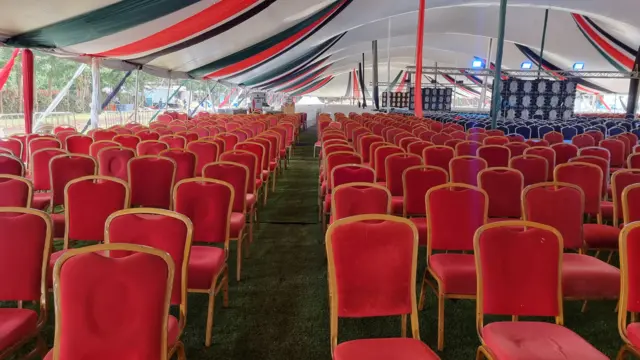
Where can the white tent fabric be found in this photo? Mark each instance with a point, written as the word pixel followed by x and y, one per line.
pixel 261 37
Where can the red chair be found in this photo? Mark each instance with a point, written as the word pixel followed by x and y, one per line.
pixel 170 233
pixel 15 191
pixel 100 135
pixel 467 148
pixel 237 175
pixel 418 147
pixel 553 137
pixel 516 138
pixel 438 156
pixel 113 162
pixel 477 137
pixel 185 162
pixel 331 161
pixel 205 151
pixel 395 165
pixel 603 164
pixel 41 176
pixel 495 132
pixel 96 146
pixel 620 180
pixel 532 167
pixel 260 150
pixel 64 168
pixel 564 152
pixel 583 141
pixel 355 279
pixel 517 148
pixel 146 135
pixel 230 140
pixel 616 150
pixel 379 160
pixel 546 152
pixel 633 161
pixel 561 206
pixel 163 131
pixel 440 138
pixel 208 204
pixel 416 181
pixel 78 144
pixel 629 297
pixel 477 131
pixel 12 165
pixel 343 174
pixel 453 143
pixel 189 135
pixel 23 140
pixel 13 145
pixel 25 246
pixel 595 151
pixel 151 179
pixel 270 144
pixel 538 143
pixel 626 141
pixel 454 213
pixel 504 187
pixel 127 140
pixel 596 135
pixel 358 199
pixel 496 140
pixel 365 145
pixel 405 142
pixel 251 161
pixel 174 141
pixel 151 147
pixel 40 143
pixel 427 135
pixel 519 265
pixel 495 155
pixel 88 202
pixel 465 169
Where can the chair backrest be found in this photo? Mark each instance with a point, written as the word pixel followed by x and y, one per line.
pixel 546 152
pixel 478 137
pixel 518 266
pixel 495 132
pixel 148 275
pixel 208 203
pixel 633 161
pixel 454 212
pixel 465 169
pixel 15 191
pixel 564 152
pixel 174 141
pixel 504 187
pixel 341 158
pixel 185 162
pixel 113 161
pixel 599 162
pixel 417 147
pixel 13 145
pixel 496 140
pixel 248 159
pixel 438 156
pixel 553 137
pixel 583 141
pixel 127 140
pixel 363 279
pixel 616 149
pixel 100 135
pixel 495 155
pixel 620 180
pixel 629 271
pixel 365 145
pixel 440 138
pixel 348 173
pixel 235 174
pixel 559 205
pixel 146 135
pixel 359 198
pixel 596 135
pixel 416 182
pixel 151 179
pixel 12 165
pixel 259 151
pixel 517 148
pixel 78 144
pixel 66 167
pixel 533 168
pixel 189 135
pixel 467 148
pixel 595 151
pixel 96 146
pixel 394 166
pixel 151 147
pixel 516 138
pixel 405 142
pixel 25 247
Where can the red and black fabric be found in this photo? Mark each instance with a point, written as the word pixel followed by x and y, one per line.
pixel 185 163
pixel 564 152
pixel 546 152
pixel 78 144
pixel 151 179
pixel 438 156
pixel 114 162
pixel 504 188
pixel 532 167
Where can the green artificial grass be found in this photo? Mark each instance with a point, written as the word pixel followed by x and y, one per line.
pixel 280 310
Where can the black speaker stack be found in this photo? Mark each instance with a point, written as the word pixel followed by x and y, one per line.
pixel 550 99
pixel 397 99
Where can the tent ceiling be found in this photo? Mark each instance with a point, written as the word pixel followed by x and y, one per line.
pixel 238 41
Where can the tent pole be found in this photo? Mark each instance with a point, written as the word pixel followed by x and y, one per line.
pixel 632 101
pixel 190 98
pixel 135 98
pixel 364 93
pixel 166 105
pixel 417 98
pixel 487 65
pixel 374 50
pixel 389 67
pixel 95 94
pixel 27 88
pixel 544 39
pixel 495 98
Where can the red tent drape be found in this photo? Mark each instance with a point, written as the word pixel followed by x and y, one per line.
pixel 6 69
pixel 27 86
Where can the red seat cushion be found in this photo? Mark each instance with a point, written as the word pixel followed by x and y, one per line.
pixel 58 225
pixel 251 200
pixel 601 236
pixel 15 325
pixel 41 200
pixel 457 273
pixel 384 349
pixel 205 262
pixel 584 276
pixel 633 334
pixel 237 224
pixel 537 340
pixel 273 165
pixel 397 204
pixel 421 224
pixel 265 174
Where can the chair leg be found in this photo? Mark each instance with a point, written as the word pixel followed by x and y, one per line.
pixel 403 329
pixel 209 331
pixel 180 351
pixel 479 353
pixel 584 307
pixel 273 181
pixel 265 193
pixel 610 257
pixel 423 291
pixel 440 322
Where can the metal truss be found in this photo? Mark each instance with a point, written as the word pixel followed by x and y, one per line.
pixel 533 73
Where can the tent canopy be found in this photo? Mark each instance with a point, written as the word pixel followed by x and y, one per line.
pixel 312 46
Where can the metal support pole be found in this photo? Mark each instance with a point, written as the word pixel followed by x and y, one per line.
pixel 634 83
pixel 190 98
pixel 487 65
pixel 389 67
pixel 376 95
pixel 135 98
pixel 435 77
pixel 495 99
pixel 166 105
pixel 544 39
pixel 417 98
pixel 364 95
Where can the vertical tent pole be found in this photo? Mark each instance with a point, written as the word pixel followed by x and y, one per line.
pixel 374 50
pixel 190 98
pixel 166 105
pixel 364 92
pixel 544 39
pixel 495 98
pixel 632 101
pixel 95 92
pixel 27 88
pixel 389 67
pixel 487 65
pixel 135 99
pixel 417 98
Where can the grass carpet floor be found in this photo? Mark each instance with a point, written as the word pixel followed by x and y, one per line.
pixel 280 311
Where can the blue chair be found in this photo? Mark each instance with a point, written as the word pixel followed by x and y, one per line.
pixel 524 131
pixel 543 130
pixel 569 132
pixel 616 130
